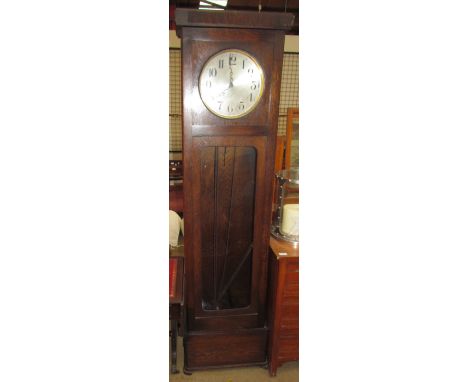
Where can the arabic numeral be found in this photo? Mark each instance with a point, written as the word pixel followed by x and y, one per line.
pixel 208 83
pixel 220 103
pixel 232 59
pixel 212 72
pixel 241 106
pixel 230 108
pixel 253 86
pixel 221 64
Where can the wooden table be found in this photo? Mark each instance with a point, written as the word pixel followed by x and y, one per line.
pixel 283 304
pixel 176 300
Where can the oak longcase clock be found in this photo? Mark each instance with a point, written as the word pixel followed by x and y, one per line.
pixel 231 70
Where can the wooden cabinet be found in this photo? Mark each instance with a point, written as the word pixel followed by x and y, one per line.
pixel 283 300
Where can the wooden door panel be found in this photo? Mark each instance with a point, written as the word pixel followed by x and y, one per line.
pixel 228 201
pixel 227 179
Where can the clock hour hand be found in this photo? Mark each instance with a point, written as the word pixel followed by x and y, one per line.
pixel 224 92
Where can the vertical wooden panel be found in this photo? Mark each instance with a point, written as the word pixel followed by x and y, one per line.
pixel 227 180
pixel 207 198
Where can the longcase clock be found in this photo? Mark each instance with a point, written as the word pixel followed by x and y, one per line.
pixel 231 72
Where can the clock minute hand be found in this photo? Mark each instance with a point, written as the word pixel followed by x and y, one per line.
pixel 231 83
pixel 231 79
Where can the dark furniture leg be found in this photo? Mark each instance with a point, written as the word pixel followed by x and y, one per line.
pixel 174 332
pixel 176 298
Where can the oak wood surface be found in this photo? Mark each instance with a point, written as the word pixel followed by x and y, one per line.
pixel 233 19
pixel 210 349
pixel 228 167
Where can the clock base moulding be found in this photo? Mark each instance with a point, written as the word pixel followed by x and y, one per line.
pixel 212 350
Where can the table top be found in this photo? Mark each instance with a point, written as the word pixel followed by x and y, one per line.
pixel 285 248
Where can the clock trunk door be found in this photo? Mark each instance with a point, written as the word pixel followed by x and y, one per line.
pixel 228 205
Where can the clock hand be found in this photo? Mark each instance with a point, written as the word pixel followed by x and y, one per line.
pixel 224 91
pixel 230 77
pixel 231 83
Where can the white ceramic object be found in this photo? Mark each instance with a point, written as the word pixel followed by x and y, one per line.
pixel 174 228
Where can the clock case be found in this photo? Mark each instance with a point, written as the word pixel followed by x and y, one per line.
pixel 228 181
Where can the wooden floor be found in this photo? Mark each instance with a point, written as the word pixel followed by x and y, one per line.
pixel 289 372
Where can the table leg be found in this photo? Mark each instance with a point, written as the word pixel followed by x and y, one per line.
pixel 174 332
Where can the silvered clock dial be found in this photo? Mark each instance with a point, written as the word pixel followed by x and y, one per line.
pixel 231 83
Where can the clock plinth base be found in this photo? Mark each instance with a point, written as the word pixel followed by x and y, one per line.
pixel 209 350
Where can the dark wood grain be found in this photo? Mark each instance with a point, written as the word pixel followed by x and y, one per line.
pixel 234 19
pixel 175 308
pixel 210 349
pixel 228 168
pixel 267 6
pixel 228 184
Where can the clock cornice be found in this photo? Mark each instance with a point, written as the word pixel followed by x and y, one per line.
pixel 186 17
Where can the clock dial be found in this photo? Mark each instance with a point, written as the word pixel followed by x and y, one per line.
pixel 231 83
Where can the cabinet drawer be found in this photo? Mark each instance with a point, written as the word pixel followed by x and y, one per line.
pixel 289 333
pixel 290 312
pixel 289 323
pixel 292 267
pixel 288 349
pixel 288 356
pixel 291 292
pixel 292 281
pixel 290 299
pixel 291 289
